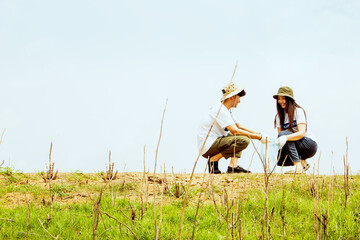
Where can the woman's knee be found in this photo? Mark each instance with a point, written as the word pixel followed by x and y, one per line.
pixel 284 132
pixel 311 151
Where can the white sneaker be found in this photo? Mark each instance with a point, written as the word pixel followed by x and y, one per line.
pixel 305 165
pixel 298 169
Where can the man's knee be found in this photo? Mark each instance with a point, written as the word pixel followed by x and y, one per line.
pixel 242 141
pixel 246 141
pixel 237 141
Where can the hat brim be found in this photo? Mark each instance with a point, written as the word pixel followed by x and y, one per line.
pixel 232 94
pixel 283 95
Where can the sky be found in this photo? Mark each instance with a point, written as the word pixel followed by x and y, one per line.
pixel 94 76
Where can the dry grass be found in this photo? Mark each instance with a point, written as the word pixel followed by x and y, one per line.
pixel 79 187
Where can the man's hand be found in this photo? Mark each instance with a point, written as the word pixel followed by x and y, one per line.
pixel 264 138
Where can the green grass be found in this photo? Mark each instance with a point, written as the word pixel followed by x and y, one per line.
pixel 74 220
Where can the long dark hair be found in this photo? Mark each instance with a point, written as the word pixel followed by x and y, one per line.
pixel 290 108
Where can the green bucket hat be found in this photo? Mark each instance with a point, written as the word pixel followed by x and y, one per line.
pixel 286 92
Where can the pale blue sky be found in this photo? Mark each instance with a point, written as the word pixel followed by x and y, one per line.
pixel 94 75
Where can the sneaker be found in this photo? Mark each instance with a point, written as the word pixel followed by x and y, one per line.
pixel 298 169
pixel 213 167
pixel 305 165
pixel 237 169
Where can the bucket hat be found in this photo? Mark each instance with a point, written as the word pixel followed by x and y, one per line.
pixel 286 92
pixel 230 90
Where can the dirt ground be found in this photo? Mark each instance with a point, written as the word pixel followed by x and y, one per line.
pixel 70 188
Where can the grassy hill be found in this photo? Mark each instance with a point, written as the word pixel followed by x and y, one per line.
pixel 145 206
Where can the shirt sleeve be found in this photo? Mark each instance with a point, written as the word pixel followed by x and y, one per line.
pixel 300 116
pixel 234 118
pixel 224 118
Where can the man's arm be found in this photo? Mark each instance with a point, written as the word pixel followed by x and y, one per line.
pixel 247 129
pixel 235 130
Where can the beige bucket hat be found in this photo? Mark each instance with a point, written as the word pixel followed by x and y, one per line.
pixel 230 90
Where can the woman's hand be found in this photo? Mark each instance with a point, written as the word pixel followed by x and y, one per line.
pixel 281 140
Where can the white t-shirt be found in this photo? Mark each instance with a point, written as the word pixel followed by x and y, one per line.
pixel 224 119
pixel 298 118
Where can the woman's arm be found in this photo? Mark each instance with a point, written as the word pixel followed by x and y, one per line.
pixel 235 130
pixel 297 135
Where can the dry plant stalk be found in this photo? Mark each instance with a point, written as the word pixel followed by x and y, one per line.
pixel 253 221
pixel 346 175
pixel 133 212
pixel 144 173
pixel 8 220
pixel 50 175
pixel 121 223
pixel 110 175
pixel 230 217
pixel 324 220
pixel 96 212
pixel 218 213
pixel 267 174
pixel 328 212
pixel 2 135
pixel 315 196
pixel 161 205
pixel 192 174
pixel 320 219
pixel 156 155
pixel 176 187
pixel 283 210
pixel 198 203
pixel 42 225
pixel 28 217
pixel 145 188
pixel 197 159
pixel 235 218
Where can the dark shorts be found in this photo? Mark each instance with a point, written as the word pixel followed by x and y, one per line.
pixel 293 151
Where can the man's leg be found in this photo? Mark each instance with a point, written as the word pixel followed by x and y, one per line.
pixel 233 162
pixel 228 147
pixel 213 155
pixel 235 146
pixel 213 163
pixel 216 157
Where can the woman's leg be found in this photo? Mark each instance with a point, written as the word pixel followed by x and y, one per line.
pixel 306 148
pixel 289 155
